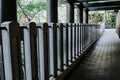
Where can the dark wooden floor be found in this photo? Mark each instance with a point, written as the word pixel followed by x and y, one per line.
pixel 102 63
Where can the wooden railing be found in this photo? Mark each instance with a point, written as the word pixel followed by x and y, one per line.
pixel 44 51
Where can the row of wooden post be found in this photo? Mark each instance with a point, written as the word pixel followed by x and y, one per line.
pixel 43 51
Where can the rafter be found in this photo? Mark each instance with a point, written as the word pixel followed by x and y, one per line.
pixel 100 4
pixel 104 8
pixel 89 0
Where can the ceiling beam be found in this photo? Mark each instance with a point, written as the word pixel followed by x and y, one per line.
pixel 88 0
pixel 104 8
pixel 99 4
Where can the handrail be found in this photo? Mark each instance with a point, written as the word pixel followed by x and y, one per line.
pixel 46 50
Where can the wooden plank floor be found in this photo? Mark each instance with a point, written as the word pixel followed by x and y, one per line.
pixel 102 63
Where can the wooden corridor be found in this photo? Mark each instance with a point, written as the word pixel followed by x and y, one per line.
pixel 103 61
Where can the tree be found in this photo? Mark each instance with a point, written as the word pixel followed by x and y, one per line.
pixel 30 10
pixel 96 17
pixel 111 19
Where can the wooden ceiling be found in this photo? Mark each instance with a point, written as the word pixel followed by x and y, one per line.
pixel 94 5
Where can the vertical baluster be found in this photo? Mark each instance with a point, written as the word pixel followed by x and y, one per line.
pixel 71 33
pixel 46 53
pixel 88 34
pixel 50 27
pixel 65 42
pixel 53 49
pixel 2 75
pixel 77 32
pixel 67 51
pixel 58 46
pixel 80 38
pixel 87 37
pixel 96 31
pixel 27 55
pixel 93 32
pixel 30 41
pixel 61 47
pixel 69 42
pixel 75 41
pixel 43 50
pixel 73 46
pixel 84 37
pixel 33 45
pixel 64 46
pixel 11 51
pixel 72 42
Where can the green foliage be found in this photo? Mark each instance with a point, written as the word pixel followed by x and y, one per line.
pixel 96 17
pixel 111 19
pixel 29 10
pixel 34 7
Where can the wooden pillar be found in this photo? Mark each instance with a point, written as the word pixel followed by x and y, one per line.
pixel 0 9
pixel 8 10
pixel 85 15
pixel 52 11
pixel 80 7
pixel 70 12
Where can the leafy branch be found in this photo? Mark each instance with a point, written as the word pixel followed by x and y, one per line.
pixel 31 9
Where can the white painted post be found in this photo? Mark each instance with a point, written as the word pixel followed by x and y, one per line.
pixel 11 51
pixel 43 53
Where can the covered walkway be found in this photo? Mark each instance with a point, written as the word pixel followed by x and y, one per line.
pixel 55 50
pixel 103 62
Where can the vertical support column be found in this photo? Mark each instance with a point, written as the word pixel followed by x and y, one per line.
pixel 80 12
pixel 70 12
pixel 0 10
pixel 8 10
pixel 53 11
pixel 85 16
pixel 7 13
